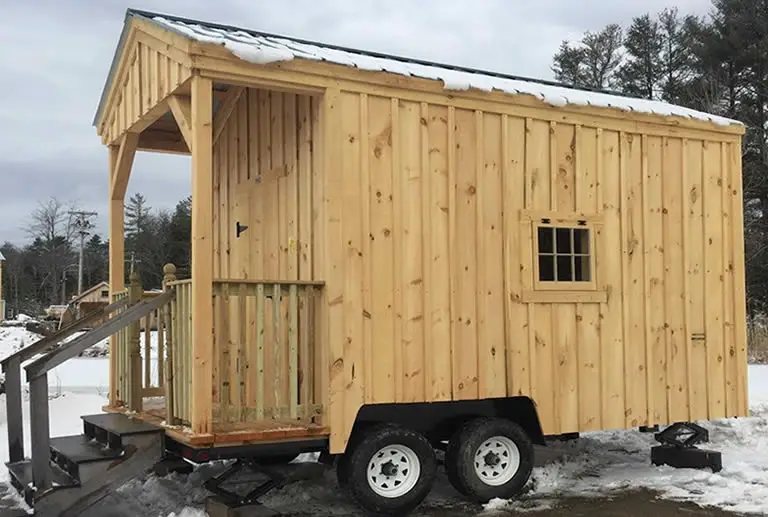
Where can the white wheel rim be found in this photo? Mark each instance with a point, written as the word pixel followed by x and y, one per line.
pixel 497 460
pixel 393 471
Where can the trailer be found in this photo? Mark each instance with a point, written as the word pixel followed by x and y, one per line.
pixel 392 257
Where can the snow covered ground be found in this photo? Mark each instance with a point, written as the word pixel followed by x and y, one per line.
pixel 596 465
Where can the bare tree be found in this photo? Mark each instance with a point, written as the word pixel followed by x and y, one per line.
pixel 51 220
pixel 51 229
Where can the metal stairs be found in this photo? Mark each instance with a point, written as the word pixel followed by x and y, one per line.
pixel 112 450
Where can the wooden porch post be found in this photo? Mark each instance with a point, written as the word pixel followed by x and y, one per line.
pixel 202 255
pixel 116 265
pixel 135 295
pixel 120 165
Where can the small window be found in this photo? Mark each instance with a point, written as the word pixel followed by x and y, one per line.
pixel 104 293
pixel 564 254
pixel 563 260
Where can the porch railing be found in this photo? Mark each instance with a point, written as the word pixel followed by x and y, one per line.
pixel 179 338
pixel 148 336
pixel 264 353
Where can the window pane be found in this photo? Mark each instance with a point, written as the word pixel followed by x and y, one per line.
pixel 581 241
pixel 564 269
pixel 546 268
pixel 582 269
pixel 564 241
pixel 545 240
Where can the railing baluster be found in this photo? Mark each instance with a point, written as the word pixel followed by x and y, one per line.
pixel 304 353
pixel 293 311
pixel 311 351
pixel 170 402
pixel 161 330
pixel 185 356
pixel 147 352
pixel 260 352
pixel 241 347
pixel 276 348
pixel 225 345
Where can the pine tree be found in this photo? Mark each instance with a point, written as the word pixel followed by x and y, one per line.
pixel 568 65
pixel 136 213
pixel 593 63
pixel 181 236
pixel 676 54
pixel 602 56
pixel 642 71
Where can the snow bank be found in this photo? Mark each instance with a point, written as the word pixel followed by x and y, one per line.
pixel 261 49
pixel 601 463
pixel 13 339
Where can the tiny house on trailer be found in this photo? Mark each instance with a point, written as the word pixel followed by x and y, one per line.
pixel 391 256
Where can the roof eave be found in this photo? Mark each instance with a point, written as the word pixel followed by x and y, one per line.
pixel 129 14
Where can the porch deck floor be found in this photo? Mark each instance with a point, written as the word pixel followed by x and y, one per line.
pixel 227 433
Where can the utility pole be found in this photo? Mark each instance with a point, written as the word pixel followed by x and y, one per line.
pixel 82 225
pixel 132 262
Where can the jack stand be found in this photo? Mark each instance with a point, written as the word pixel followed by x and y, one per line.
pixel 678 448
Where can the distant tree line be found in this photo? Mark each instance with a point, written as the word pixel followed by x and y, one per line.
pixel 44 271
pixel 718 64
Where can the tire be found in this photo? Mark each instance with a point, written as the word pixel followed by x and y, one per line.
pixel 489 458
pixel 451 464
pixel 372 470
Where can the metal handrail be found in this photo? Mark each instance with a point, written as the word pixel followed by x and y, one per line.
pixel 77 325
pixel 37 375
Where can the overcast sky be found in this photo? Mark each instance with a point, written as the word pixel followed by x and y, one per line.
pixel 55 54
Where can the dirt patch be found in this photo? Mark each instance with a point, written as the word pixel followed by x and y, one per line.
pixel 625 504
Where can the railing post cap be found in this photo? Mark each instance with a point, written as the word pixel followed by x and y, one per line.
pixel 169 269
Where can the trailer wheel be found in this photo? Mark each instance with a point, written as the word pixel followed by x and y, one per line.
pixel 389 470
pixel 489 458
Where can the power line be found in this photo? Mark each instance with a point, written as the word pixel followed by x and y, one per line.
pixel 83 225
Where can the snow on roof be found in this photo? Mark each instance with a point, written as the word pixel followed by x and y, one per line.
pixel 1 256
pixel 262 48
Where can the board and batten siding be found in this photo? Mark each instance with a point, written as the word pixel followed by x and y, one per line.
pixel 264 171
pixel 432 293
pixel 150 73
pixel 263 177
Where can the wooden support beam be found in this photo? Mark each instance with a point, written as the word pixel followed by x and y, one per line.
pixel 162 142
pixel 225 110
pixel 181 107
pixel 116 264
pixel 202 256
pixel 124 163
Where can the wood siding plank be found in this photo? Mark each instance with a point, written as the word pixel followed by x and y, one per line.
pixel 464 301
pixel 382 246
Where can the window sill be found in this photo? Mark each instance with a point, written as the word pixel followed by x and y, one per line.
pixel 564 296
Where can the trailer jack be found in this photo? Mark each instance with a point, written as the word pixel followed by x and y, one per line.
pixel 678 448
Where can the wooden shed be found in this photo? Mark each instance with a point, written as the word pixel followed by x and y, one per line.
pixel 370 230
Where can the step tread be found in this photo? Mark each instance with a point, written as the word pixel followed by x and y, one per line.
pixel 81 449
pixel 21 471
pixel 121 425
